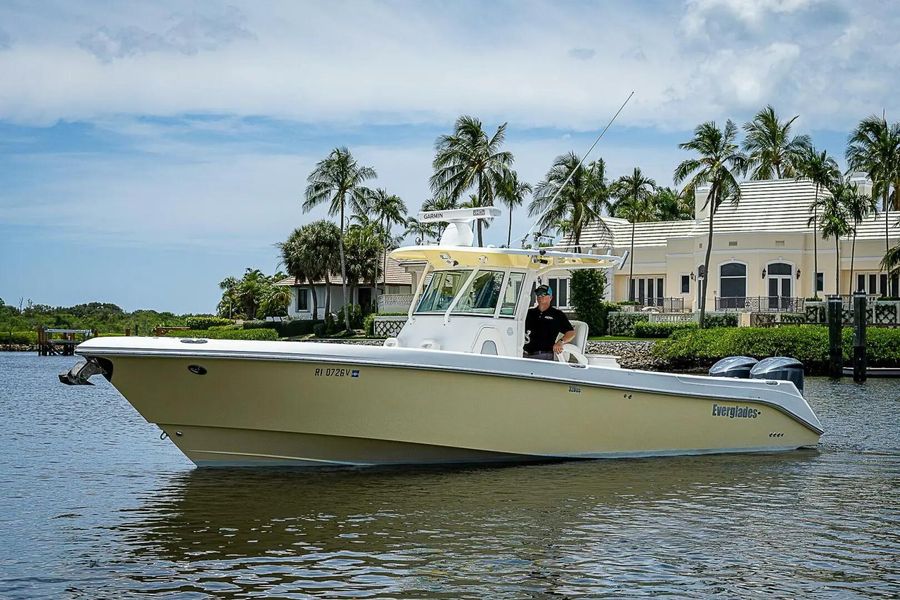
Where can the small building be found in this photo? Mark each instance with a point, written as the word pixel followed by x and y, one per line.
pixel 762 254
pixel 392 293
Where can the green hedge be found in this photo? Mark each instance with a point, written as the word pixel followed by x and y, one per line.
pixel 18 337
pixel 721 320
pixel 226 334
pixel 295 327
pixel 205 322
pixel 622 323
pixel 644 329
pixel 806 343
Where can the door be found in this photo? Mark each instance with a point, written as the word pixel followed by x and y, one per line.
pixel 781 289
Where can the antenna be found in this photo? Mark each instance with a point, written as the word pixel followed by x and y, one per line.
pixel 572 172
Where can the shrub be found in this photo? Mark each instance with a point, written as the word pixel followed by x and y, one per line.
pixel 321 329
pixel 18 337
pixel 260 324
pixel 296 327
pixel 645 329
pixel 806 343
pixel 224 334
pixel 622 323
pixel 369 324
pixel 587 298
pixel 205 321
pixel 721 320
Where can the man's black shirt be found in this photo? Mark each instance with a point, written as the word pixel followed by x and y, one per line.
pixel 544 327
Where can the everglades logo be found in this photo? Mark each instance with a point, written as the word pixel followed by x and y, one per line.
pixel 735 412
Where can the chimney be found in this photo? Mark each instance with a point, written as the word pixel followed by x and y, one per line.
pixel 701 207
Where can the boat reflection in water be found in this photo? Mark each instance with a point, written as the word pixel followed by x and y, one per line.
pixel 563 528
pixel 452 387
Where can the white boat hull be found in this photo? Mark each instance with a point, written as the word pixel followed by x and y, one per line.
pixel 279 403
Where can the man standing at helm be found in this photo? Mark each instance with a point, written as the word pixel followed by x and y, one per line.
pixel 543 326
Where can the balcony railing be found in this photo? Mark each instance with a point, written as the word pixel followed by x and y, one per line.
pixel 666 305
pixel 759 304
pixel 394 302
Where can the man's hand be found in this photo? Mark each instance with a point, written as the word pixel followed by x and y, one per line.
pixel 558 347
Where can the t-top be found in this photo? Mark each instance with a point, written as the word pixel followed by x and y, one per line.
pixel 544 327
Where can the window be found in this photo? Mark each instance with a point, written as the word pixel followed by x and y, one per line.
pixel 302 300
pixel 482 294
pixel 733 280
pixel 560 292
pixel 820 282
pixel 876 284
pixel 442 288
pixel 646 290
pixel 511 294
pixel 732 244
pixel 685 284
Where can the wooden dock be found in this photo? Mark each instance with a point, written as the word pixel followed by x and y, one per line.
pixel 61 342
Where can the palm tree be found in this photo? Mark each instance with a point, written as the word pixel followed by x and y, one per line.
pixel 325 241
pixel 874 147
pixel 229 296
pixel 835 220
pixel 581 201
pixel 635 203
pixel 387 209
pixel 338 179
pixel 822 170
pixel 512 193
pixel 770 148
pixel 718 165
pixel 671 205
pixel 859 206
pixel 469 158
pixel 420 231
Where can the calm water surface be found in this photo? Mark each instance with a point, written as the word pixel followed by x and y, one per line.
pixel 93 504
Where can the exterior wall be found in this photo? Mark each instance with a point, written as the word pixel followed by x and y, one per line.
pixel 756 251
pixel 337 299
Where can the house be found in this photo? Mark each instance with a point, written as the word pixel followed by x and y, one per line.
pixel 394 292
pixel 762 254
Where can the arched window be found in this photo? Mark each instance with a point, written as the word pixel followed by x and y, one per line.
pixel 733 284
pixel 780 286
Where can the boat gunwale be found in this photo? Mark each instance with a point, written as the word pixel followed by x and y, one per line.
pixel 372 362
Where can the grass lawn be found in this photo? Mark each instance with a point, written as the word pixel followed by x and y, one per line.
pixel 620 338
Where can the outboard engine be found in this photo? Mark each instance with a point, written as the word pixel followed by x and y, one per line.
pixel 733 366
pixel 782 368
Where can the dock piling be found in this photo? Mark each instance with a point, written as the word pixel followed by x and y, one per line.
pixel 835 351
pixel 859 337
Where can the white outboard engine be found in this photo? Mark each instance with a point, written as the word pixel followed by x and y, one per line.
pixel 782 368
pixel 733 366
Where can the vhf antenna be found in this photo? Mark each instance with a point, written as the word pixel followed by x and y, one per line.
pixel 549 204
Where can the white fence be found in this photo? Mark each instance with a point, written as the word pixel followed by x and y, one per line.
pixel 394 302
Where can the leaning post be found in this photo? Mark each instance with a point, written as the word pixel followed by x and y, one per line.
pixel 835 352
pixel 859 337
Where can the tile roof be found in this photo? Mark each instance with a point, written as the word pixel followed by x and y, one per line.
pixel 765 206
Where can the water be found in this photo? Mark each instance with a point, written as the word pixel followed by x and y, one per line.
pixel 93 504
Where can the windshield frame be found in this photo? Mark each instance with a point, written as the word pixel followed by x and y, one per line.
pixel 470 275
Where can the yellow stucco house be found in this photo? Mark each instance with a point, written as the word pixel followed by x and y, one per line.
pixel 762 254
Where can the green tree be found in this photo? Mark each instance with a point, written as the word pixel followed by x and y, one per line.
pixel 859 206
pixel 822 170
pixel 588 286
pixel 769 146
pixel 511 193
pixel 718 164
pixel 671 205
pixel 308 254
pixel 634 195
pixel 571 206
pixel 835 220
pixel 339 179
pixel 469 158
pixel 388 210
pixel 874 148
pixel 364 247
pixel 421 232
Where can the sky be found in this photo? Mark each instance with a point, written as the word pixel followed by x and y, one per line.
pixel 149 150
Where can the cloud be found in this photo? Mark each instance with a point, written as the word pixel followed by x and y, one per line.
pixel 582 53
pixel 188 35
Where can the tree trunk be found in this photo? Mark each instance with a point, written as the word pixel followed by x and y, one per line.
pixel 387 233
pixel 705 283
pixel 631 267
pixel 327 293
pixel 315 300
pixel 815 245
pixel 837 265
pixel 509 234
pixel 480 203
pixel 344 269
pixel 852 257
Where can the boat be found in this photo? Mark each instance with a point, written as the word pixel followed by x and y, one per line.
pixel 451 387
